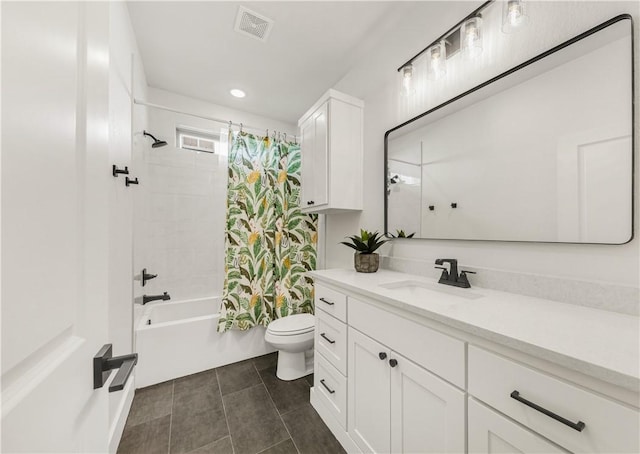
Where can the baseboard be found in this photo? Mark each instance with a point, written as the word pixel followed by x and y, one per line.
pixel 117 426
pixel 333 425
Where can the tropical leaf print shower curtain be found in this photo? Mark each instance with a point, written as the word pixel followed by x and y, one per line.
pixel 270 243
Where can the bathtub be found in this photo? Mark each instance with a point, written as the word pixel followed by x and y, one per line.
pixel 180 338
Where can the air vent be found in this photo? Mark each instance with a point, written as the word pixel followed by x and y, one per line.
pixel 252 24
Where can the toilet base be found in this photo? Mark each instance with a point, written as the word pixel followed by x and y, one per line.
pixel 292 366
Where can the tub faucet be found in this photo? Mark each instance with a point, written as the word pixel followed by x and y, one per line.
pixel 450 276
pixel 148 298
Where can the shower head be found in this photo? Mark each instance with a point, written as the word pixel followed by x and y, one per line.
pixel 156 143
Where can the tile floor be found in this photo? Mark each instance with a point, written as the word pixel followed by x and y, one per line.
pixel 241 408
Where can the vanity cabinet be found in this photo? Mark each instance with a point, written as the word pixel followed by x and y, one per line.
pixel 397 406
pixel 332 155
pixel 390 378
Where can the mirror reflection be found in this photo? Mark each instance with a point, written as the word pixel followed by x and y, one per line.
pixel 543 154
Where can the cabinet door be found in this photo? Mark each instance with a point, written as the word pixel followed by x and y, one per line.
pixel 307 144
pixel 369 393
pixel 320 156
pixel 489 432
pixel 427 413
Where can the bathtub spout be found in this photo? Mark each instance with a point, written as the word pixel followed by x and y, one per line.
pixel 148 298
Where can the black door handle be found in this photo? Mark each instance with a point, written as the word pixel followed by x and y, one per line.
pixel 323 335
pixel 579 426
pixel 327 302
pixel 331 391
pixel 104 362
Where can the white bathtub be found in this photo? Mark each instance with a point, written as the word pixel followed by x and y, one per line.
pixel 180 338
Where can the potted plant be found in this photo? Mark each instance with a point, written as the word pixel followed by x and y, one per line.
pixel 365 259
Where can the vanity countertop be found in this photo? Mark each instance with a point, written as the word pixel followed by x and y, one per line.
pixel 602 344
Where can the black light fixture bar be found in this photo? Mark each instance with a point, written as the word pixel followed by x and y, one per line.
pixel 474 13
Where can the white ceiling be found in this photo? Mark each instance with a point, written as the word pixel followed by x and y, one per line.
pixel 191 48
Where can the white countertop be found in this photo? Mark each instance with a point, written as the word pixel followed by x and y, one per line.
pixel 602 344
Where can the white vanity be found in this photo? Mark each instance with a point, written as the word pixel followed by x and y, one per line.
pixel 404 364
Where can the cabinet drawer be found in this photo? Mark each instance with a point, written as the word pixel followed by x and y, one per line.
pixel 441 354
pixel 608 426
pixel 331 340
pixel 331 387
pixel 489 432
pixel 331 301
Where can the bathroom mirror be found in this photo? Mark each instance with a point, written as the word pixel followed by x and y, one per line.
pixel 541 153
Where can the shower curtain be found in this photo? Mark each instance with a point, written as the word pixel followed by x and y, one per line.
pixel 270 243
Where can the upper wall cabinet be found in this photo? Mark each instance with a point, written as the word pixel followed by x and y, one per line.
pixel 331 140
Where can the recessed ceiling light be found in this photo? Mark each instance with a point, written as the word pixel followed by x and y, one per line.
pixel 237 93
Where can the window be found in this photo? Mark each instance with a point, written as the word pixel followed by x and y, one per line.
pixel 190 139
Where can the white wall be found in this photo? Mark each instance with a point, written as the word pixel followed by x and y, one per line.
pixel 551 23
pixel 181 202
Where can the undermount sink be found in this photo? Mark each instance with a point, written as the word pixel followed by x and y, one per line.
pixel 418 288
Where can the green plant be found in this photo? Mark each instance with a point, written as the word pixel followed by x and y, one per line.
pixel 401 234
pixel 366 243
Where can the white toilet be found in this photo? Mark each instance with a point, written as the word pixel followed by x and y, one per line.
pixel 293 337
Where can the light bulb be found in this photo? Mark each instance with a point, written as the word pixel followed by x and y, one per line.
pixel 472 36
pixel 437 61
pixel 513 15
pixel 407 79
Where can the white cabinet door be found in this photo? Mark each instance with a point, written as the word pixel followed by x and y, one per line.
pixel 321 155
pixel 369 393
pixel 55 250
pixel 489 432
pixel 314 144
pixel 427 413
pixel 307 146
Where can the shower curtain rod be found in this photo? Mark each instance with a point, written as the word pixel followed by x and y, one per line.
pixel 205 117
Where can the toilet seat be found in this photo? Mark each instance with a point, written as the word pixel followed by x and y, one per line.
pixel 292 325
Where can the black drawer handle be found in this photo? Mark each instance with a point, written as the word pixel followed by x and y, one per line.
pixel 579 426
pixel 327 339
pixel 331 391
pixel 327 302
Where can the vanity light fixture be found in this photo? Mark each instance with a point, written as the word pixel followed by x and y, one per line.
pixel 472 36
pixel 514 15
pixel 446 46
pixel 437 62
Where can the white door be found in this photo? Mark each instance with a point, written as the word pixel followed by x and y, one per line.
pixel 55 172
pixel 369 399
pixel 491 433
pixel 427 414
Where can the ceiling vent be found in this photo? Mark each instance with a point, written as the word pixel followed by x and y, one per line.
pixel 252 24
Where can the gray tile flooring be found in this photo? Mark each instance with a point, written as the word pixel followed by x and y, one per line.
pixel 242 408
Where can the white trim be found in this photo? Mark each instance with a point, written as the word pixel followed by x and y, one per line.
pixel 117 425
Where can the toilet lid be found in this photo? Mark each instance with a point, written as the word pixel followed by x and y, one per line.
pixel 292 324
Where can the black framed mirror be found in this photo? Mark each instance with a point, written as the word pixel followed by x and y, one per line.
pixel 540 153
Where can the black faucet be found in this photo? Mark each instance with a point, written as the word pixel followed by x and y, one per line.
pixel 450 276
pixel 148 298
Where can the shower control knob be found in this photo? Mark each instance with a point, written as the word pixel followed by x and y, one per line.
pixel 382 355
pixel 393 362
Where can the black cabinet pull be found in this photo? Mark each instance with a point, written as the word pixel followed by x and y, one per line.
pixel 128 181
pixel 579 426
pixel 115 171
pixel 331 391
pixel 382 355
pixel 327 302
pixel 327 339
pixel 393 362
